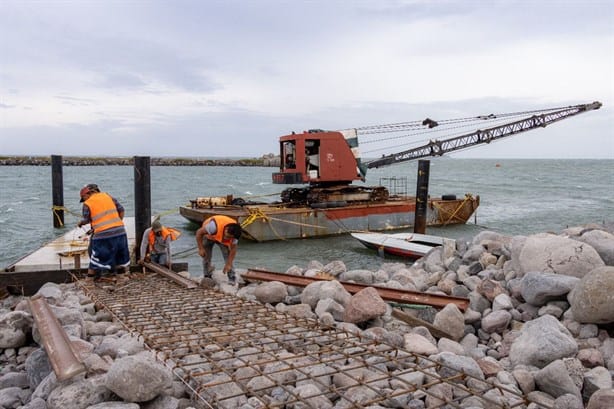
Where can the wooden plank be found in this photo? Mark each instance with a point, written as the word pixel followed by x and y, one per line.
pixel 29 282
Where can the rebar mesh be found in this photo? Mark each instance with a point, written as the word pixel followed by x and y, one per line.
pixel 230 351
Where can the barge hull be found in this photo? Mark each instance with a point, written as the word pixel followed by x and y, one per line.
pixel 270 222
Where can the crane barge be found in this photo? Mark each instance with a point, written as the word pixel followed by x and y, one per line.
pixel 326 163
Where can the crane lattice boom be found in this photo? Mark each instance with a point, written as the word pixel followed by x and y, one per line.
pixel 440 147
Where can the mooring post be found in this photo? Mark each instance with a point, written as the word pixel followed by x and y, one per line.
pixel 422 196
pixel 142 199
pixel 57 188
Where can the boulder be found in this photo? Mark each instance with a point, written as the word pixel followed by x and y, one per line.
pixel 541 342
pixel 548 253
pixel 602 242
pixel 364 305
pixel 592 299
pixel 137 378
pixel 14 326
pixel 79 394
pixel 271 293
pixel 538 288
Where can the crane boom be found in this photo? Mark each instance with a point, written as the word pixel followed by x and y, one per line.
pixel 440 147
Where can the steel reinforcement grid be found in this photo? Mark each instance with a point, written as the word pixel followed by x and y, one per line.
pixel 230 351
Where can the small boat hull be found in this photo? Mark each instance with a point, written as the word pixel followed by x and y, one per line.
pixel 268 222
pixel 409 245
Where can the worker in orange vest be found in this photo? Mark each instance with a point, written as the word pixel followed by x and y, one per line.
pixel 108 249
pixel 156 244
pixel 225 232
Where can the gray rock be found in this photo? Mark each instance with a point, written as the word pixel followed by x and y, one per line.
pixel 44 388
pixel 602 399
pixel 538 288
pixel 602 242
pixel 79 394
pixel 451 320
pixel 541 342
pixel 453 364
pixel 37 367
pixel 36 403
pixel 320 290
pixel 271 292
pixel 51 292
pixel 555 380
pixel 548 253
pixel 596 379
pixel 11 397
pixel 14 326
pixel 161 402
pixel 330 306
pixel 496 321
pixel 334 268
pixel 137 378
pixel 358 276
pixel 568 401
pixel 114 405
pixel 592 299
pixel 364 305
pixel 12 379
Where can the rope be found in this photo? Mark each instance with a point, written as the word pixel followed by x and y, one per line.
pixel 167 212
pixel 468 197
pixel 55 209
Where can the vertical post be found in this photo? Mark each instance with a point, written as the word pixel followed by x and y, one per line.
pixel 422 196
pixel 142 199
pixel 57 188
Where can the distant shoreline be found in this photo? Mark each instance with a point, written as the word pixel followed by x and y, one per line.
pixel 268 160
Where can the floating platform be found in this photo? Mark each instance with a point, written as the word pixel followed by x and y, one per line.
pixel 59 261
pixel 67 252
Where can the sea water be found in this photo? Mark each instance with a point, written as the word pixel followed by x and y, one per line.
pixel 517 197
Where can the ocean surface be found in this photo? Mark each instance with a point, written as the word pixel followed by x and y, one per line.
pixel 517 197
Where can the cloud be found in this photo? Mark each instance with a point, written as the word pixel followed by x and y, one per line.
pixel 229 78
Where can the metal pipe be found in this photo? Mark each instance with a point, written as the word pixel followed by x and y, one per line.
pixel 63 360
pixel 185 282
pixel 388 294
pixel 57 191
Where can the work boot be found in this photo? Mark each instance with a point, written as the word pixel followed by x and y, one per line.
pixel 210 270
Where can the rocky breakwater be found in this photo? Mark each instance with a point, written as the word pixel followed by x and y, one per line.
pixel 265 160
pixel 540 322
pixel 541 316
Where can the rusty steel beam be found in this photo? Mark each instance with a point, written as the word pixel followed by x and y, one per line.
pixel 55 341
pixel 157 268
pixel 388 294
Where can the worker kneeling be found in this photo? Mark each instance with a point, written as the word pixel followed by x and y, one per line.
pixel 225 232
pixel 156 244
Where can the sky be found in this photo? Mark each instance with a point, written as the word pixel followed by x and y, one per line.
pixel 227 78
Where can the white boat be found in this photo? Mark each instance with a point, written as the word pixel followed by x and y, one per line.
pixel 410 245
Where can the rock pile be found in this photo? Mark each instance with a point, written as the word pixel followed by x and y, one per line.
pixel 541 316
pixel 541 322
pixel 120 374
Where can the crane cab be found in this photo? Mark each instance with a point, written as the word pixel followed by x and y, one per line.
pixel 319 157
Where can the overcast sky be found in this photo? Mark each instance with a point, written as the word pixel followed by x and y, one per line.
pixel 227 78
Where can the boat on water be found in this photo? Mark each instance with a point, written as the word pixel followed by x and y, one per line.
pixel 327 162
pixel 278 221
pixel 409 245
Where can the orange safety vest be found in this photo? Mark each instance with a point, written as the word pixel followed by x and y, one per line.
pixel 221 222
pixel 103 212
pixel 166 231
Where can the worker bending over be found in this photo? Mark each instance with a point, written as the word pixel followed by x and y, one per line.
pixel 156 244
pixel 109 243
pixel 225 232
